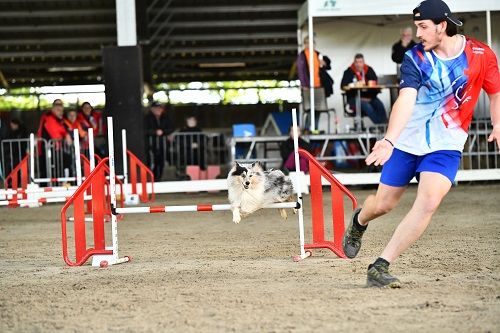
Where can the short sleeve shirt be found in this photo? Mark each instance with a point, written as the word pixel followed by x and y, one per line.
pixel 447 92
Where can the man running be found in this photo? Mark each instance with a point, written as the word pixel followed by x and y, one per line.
pixel 441 79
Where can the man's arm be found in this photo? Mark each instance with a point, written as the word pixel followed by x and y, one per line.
pixel 346 79
pixel 495 118
pixel 371 75
pixel 401 113
pixel 303 70
pixel 397 53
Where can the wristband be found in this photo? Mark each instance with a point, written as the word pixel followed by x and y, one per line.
pixel 389 142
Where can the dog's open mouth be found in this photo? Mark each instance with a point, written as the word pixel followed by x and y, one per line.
pixel 245 186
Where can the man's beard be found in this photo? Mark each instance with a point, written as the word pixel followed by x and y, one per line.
pixel 428 46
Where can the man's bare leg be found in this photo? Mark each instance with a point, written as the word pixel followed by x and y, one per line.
pixel 432 188
pixel 386 198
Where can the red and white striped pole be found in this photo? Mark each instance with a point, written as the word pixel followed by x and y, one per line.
pixel 303 254
pixel 32 157
pixel 125 163
pixel 78 165
pixel 194 208
pixel 44 191
pixel 38 190
pixel 91 148
pixel 16 202
pixel 111 259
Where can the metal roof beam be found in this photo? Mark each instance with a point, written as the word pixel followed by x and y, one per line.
pixel 23 66
pixel 214 76
pixel 59 53
pixel 245 59
pixel 58 41
pixel 232 23
pixel 18 65
pixel 232 48
pixel 52 75
pixel 56 13
pixel 33 28
pixel 236 9
pixel 233 36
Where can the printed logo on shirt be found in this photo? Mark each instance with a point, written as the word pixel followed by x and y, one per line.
pixel 477 50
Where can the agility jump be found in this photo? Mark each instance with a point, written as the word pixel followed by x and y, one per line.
pixel 103 256
pixel 22 184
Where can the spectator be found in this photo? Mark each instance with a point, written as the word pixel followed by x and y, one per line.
pixel 52 125
pixel 52 128
pixel 404 44
pixel 71 123
pixel 192 144
pixel 321 78
pixel 14 151
pixel 89 118
pixel 4 129
pixel 17 130
pixel 321 63
pixel 360 73
pixel 288 156
pixel 158 129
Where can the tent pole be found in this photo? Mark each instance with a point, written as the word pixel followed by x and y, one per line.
pixel 488 27
pixel 311 66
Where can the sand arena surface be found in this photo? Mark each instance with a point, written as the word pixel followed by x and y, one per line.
pixel 199 272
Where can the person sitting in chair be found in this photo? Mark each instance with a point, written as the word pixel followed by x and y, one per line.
pixel 360 74
pixel 288 156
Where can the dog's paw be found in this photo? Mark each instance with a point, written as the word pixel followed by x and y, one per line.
pixel 295 210
pixel 236 219
pixel 283 214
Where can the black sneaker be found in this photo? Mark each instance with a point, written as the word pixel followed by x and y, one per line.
pixel 378 276
pixel 352 238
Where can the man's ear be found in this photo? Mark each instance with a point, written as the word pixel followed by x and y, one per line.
pixel 442 26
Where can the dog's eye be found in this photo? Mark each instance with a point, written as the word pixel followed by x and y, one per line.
pixel 250 176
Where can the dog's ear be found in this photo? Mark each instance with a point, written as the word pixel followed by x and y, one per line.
pixel 237 169
pixel 257 166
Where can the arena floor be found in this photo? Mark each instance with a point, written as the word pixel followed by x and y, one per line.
pixel 199 272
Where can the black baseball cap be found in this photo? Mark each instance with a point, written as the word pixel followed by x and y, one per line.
pixel 434 10
pixel 155 104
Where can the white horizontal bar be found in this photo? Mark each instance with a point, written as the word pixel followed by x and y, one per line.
pixel 59 179
pixel 132 210
pixel 86 219
pixel 38 190
pixel 194 208
pixel 63 179
pixel 42 200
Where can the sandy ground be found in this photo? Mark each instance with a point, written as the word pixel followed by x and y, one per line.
pixel 198 272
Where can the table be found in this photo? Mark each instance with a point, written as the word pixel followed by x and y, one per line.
pixel 358 89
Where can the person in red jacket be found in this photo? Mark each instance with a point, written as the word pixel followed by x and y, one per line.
pixel 52 130
pixel 71 123
pixel 52 126
pixel 89 118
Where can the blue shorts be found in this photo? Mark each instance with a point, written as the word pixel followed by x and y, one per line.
pixel 400 169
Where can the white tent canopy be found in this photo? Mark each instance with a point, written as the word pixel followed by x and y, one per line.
pixel 342 38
